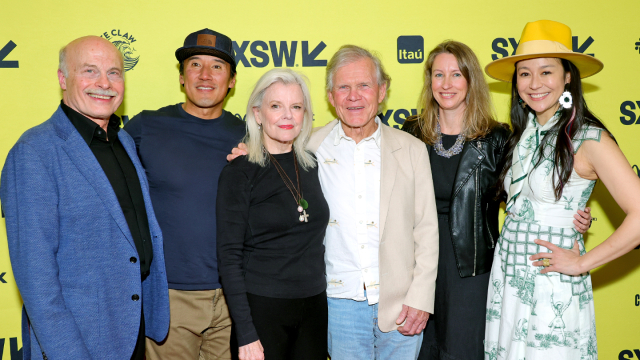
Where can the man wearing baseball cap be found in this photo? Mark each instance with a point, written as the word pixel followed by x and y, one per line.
pixel 183 148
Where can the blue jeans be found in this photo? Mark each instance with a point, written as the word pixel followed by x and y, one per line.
pixel 354 334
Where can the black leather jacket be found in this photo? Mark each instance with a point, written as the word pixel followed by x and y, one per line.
pixel 473 216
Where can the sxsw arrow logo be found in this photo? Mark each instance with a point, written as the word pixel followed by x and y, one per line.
pixel 281 52
pixel 7 64
pixel 2 280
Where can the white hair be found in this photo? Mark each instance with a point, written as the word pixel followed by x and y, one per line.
pixel 254 138
pixel 348 54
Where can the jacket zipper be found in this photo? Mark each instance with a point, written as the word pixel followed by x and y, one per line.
pixel 475 231
pixel 493 243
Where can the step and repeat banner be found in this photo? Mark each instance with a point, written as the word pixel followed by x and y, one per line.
pixel 303 36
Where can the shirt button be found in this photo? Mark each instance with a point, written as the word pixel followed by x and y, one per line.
pixel 361 246
pixel 360 221
pixel 366 270
pixel 135 297
pixel 133 260
pixel 359 196
pixel 480 157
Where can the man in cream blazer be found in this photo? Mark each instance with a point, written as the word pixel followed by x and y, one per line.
pixel 382 238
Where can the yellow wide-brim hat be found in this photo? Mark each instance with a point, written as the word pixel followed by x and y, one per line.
pixel 543 38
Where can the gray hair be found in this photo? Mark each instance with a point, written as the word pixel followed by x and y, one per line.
pixel 62 65
pixel 348 54
pixel 254 137
pixel 62 61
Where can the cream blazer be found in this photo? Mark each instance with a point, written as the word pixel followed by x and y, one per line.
pixel 408 253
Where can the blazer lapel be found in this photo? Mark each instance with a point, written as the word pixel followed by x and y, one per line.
pixel 388 147
pixel 86 163
pixel 471 155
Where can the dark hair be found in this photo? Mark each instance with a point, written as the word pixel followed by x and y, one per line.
pixel 564 128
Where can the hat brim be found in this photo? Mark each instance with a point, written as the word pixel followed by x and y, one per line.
pixel 184 53
pixel 502 69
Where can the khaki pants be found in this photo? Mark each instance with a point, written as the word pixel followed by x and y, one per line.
pixel 200 327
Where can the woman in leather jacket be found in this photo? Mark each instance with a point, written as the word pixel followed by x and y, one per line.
pixel 467 152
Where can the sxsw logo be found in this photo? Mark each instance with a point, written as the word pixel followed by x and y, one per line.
pixel 14 353
pixel 410 49
pixel 8 64
pixel 629 116
pixel 628 354
pixel 502 46
pixel 399 116
pixel 283 51
pixel 2 280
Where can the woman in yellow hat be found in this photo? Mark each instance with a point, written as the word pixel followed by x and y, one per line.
pixel 540 302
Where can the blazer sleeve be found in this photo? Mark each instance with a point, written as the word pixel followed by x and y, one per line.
pixel 421 292
pixel 29 196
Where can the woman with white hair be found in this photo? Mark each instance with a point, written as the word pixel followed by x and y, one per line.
pixel 271 218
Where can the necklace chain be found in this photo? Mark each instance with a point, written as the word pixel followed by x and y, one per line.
pixel 296 193
pixel 454 150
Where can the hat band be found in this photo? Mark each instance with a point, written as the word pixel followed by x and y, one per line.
pixel 541 47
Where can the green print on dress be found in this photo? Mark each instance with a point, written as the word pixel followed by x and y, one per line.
pixel 585 195
pixel 527 213
pixel 524 320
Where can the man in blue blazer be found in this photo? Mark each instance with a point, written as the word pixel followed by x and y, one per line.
pixel 85 247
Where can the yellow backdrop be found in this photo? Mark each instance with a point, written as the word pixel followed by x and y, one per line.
pixel 266 34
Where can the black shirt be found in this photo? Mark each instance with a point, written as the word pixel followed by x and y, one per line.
pixel 122 175
pixel 444 173
pixel 263 248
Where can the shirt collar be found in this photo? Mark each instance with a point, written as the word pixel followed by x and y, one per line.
pixel 87 128
pixel 341 135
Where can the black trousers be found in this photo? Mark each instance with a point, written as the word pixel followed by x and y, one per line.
pixel 291 329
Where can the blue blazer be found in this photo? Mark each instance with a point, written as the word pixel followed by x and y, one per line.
pixel 71 249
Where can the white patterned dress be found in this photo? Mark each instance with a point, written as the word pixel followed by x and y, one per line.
pixel 532 316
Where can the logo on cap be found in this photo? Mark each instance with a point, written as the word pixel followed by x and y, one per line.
pixel 123 43
pixel 206 40
pixel 410 49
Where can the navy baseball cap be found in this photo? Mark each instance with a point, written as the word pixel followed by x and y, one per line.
pixel 207 42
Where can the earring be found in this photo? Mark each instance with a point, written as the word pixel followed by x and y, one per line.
pixel 522 103
pixel 566 100
pixel 259 126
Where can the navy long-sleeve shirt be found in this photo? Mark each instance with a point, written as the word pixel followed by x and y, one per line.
pixel 183 156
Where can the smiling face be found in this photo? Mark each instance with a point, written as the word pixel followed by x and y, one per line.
pixel 448 85
pixel 206 80
pixel 356 94
pixel 281 115
pixel 94 84
pixel 540 82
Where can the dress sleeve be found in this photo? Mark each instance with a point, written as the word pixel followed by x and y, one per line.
pixel 232 216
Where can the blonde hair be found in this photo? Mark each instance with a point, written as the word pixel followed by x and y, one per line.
pixel 254 138
pixel 479 116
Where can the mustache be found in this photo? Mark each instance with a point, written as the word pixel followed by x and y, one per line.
pixel 101 92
